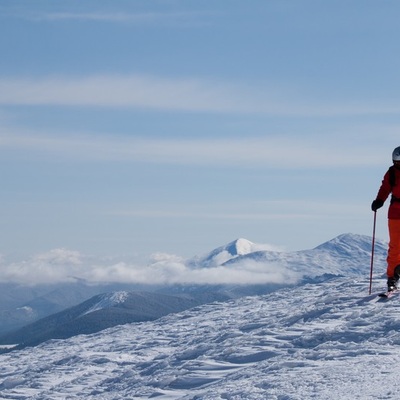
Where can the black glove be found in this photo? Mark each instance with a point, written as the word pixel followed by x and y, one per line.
pixel 376 204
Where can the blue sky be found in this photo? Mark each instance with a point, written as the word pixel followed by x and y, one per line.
pixel 134 127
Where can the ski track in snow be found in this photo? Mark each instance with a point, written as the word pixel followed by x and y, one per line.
pixel 317 341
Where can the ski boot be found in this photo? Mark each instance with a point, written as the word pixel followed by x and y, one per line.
pixel 397 272
pixel 392 284
pixel 392 281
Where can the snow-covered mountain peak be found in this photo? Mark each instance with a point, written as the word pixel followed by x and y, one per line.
pixel 346 254
pixel 240 247
pixel 108 300
pixel 224 253
pixel 341 255
pixel 351 244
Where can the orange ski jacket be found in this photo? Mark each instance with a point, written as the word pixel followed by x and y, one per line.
pixel 391 184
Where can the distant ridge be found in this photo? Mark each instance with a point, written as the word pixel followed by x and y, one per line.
pixel 101 312
pixel 345 255
pixel 348 243
pixel 222 254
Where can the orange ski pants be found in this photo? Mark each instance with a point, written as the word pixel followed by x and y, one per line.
pixel 393 257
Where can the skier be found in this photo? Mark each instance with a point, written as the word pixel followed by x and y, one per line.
pixel 391 184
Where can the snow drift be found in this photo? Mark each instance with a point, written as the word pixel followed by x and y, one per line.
pixel 315 341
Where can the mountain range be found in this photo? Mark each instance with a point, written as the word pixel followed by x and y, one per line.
pixel 64 311
pixel 318 340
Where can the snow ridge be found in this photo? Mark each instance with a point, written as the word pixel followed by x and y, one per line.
pixel 292 344
pixel 224 253
pixel 109 300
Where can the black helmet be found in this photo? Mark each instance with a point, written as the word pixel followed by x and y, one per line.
pixel 396 154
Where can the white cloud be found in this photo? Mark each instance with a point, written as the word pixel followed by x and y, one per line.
pixel 179 18
pixel 121 17
pixel 59 257
pixel 271 151
pixel 106 17
pixel 138 91
pixel 61 265
pixel 57 265
pixel 183 94
pixel 268 210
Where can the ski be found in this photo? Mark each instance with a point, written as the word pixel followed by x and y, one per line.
pixel 388 295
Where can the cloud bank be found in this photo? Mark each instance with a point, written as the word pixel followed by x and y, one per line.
pixel 63 265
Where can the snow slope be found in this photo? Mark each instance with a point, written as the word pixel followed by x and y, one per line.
pixel 101 312
pixel 346 254
pixel 316 341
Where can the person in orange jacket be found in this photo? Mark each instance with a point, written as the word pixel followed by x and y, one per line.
pixel 391 184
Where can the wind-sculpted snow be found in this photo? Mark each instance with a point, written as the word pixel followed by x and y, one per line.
pixel 316 341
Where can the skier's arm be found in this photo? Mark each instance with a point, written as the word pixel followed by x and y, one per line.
pixel 383 193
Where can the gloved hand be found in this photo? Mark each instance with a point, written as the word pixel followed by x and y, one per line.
pixel 376 204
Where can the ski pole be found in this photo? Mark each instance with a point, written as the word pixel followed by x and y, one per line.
pixel 372 254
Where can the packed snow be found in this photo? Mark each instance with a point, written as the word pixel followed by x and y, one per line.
pixel 317 341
